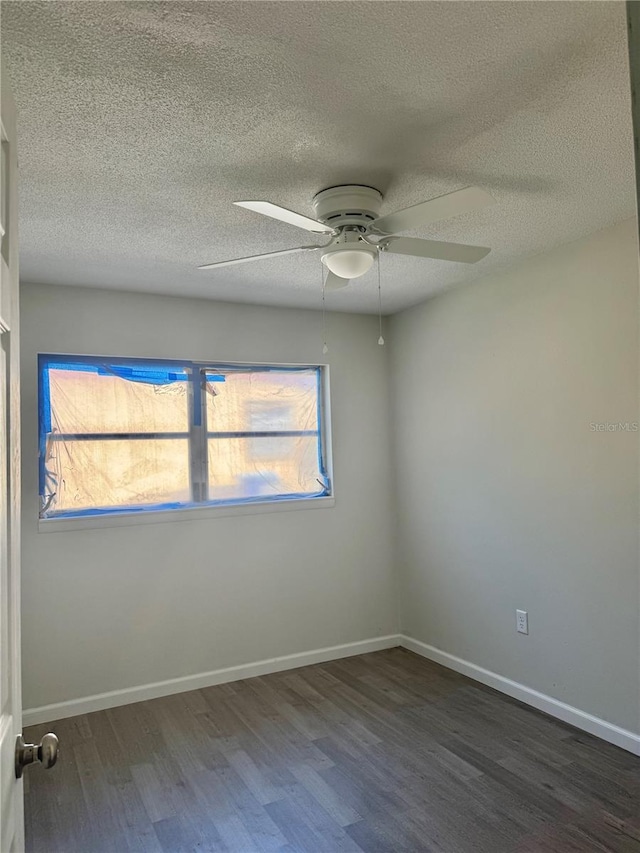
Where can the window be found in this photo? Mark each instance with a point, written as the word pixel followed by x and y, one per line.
pixel 132 435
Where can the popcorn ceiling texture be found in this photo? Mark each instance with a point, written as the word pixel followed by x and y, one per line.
pixel 141 122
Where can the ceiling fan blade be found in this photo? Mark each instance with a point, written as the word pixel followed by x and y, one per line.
pixel 435 249
pixel 335 282
pixel 257 257
pixel 266 208
pixel 442 207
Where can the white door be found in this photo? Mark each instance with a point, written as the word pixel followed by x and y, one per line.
pixel 11 815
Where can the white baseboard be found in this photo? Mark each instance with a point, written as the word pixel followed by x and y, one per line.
pixel 102 701
pixel 567 713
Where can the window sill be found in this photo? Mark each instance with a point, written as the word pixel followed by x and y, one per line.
pixel 130 519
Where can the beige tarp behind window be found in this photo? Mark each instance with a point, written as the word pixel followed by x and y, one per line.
pixel 116 443
pixel 110 472
pixel 271 402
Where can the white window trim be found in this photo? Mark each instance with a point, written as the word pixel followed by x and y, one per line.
pixel 163 516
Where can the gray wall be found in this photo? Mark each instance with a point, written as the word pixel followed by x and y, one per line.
pixel 506 496
pixel 120 607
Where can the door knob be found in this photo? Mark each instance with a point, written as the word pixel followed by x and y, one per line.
pixel 46 752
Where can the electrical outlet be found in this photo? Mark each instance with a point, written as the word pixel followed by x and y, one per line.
pixel 522 621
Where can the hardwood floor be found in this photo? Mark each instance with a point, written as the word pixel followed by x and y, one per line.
pixel 382 752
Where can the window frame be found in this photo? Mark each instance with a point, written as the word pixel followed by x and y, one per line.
pixel 197 436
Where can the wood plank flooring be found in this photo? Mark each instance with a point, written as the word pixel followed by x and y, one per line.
pixel 381 752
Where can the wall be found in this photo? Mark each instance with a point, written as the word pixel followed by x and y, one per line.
pixel 506 496
pixel 114 608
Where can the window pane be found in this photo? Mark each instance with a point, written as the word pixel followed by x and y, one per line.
pixel 96 402
pixel 266 401
pixel 254 467
pixel 118 473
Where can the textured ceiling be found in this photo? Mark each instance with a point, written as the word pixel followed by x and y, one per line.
pixel 141 122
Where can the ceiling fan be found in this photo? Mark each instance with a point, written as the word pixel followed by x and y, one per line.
pixel 349 215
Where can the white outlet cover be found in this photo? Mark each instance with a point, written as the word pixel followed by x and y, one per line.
pixel 522 621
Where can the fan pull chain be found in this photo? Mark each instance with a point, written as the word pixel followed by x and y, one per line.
pixel 380 339
pixel 325 348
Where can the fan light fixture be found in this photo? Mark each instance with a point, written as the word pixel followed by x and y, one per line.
pixel 349 256
pixel 349 263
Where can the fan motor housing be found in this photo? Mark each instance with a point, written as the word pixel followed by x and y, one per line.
pixel 350 204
